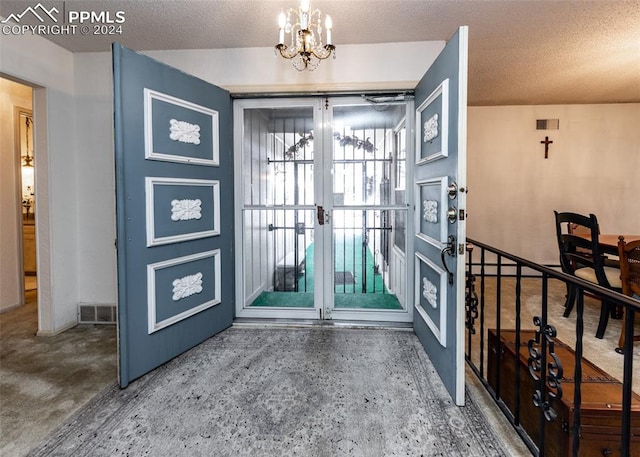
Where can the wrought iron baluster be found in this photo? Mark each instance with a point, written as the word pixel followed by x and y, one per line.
pixel 471 303
pixel 577 390
pixel 546 370
pixel 516 413
pixel 498 318
pixel 482 284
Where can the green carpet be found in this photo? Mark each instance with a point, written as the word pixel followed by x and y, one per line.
pixel 347 258
pixel 285 299
pixel 347 255
pixel 366 301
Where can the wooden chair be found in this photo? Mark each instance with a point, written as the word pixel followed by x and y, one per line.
pixel 582 257
pixel 630 277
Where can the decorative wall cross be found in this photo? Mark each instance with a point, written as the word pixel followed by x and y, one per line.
pixel 546 143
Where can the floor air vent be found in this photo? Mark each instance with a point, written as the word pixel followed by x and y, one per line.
pixel 97 314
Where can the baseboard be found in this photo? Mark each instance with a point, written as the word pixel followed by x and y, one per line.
pixel 64 328
pixel 11 308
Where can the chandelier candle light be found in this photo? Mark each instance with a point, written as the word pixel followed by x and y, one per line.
pixel 306 49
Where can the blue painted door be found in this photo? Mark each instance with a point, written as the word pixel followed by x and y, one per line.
pixel 440 189
pixel 174 205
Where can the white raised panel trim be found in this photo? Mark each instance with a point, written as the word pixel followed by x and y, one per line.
pixel 439 329
pixel 150 152
pixel 151 182
pixel 424 132
pixel 184 132
pixel 441 218
pixel 186 209
pixel 186 286
pixel 154 326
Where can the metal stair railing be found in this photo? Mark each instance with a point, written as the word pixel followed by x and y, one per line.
pixel 544 366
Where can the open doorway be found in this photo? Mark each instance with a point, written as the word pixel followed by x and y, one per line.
pixel 19 265
pixel 24 119
pixel 323 209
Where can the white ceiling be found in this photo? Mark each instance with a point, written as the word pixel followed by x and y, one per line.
pixel 520 51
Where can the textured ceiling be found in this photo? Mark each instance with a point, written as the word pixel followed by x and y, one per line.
pixel 520 51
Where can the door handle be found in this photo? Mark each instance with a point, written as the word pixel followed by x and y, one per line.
pixel 323 216
pixel 450 248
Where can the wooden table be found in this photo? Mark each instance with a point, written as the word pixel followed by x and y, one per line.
pixel 609 242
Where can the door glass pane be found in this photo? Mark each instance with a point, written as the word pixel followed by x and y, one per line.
pixel 368 197
pixel 278 259
pixel 361 260
pixel 278 211
pixel 399 193
pixel 363 148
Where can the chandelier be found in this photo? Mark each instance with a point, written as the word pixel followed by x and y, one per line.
pixel 305 27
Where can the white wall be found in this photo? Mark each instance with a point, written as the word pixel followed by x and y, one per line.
pixel 593 167
pixel 12 95
pixel 96 179
pixel 357 67
pixel 38 62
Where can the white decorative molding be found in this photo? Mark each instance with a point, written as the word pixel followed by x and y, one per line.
pixel 431 128
pixel 187 286
pixel 191 285
pixel 430 211
pixel 430 292
pixel 436 125
pixel 436 319
pixel 431 223
pixel 184 132
pixel 184 210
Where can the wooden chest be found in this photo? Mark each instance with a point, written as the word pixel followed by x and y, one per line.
pixel 601 406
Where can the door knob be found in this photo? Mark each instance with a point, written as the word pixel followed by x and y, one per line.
pixel 452 214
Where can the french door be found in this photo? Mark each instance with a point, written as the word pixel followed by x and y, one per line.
pixel 322 209
pixel 174 197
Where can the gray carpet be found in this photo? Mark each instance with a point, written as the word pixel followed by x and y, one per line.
pixel 283 392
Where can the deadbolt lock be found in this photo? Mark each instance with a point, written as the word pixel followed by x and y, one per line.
pixel 452 190
pixel 452 214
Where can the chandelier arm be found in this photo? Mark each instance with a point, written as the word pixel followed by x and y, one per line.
pixel 286 52
pixel 324 52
